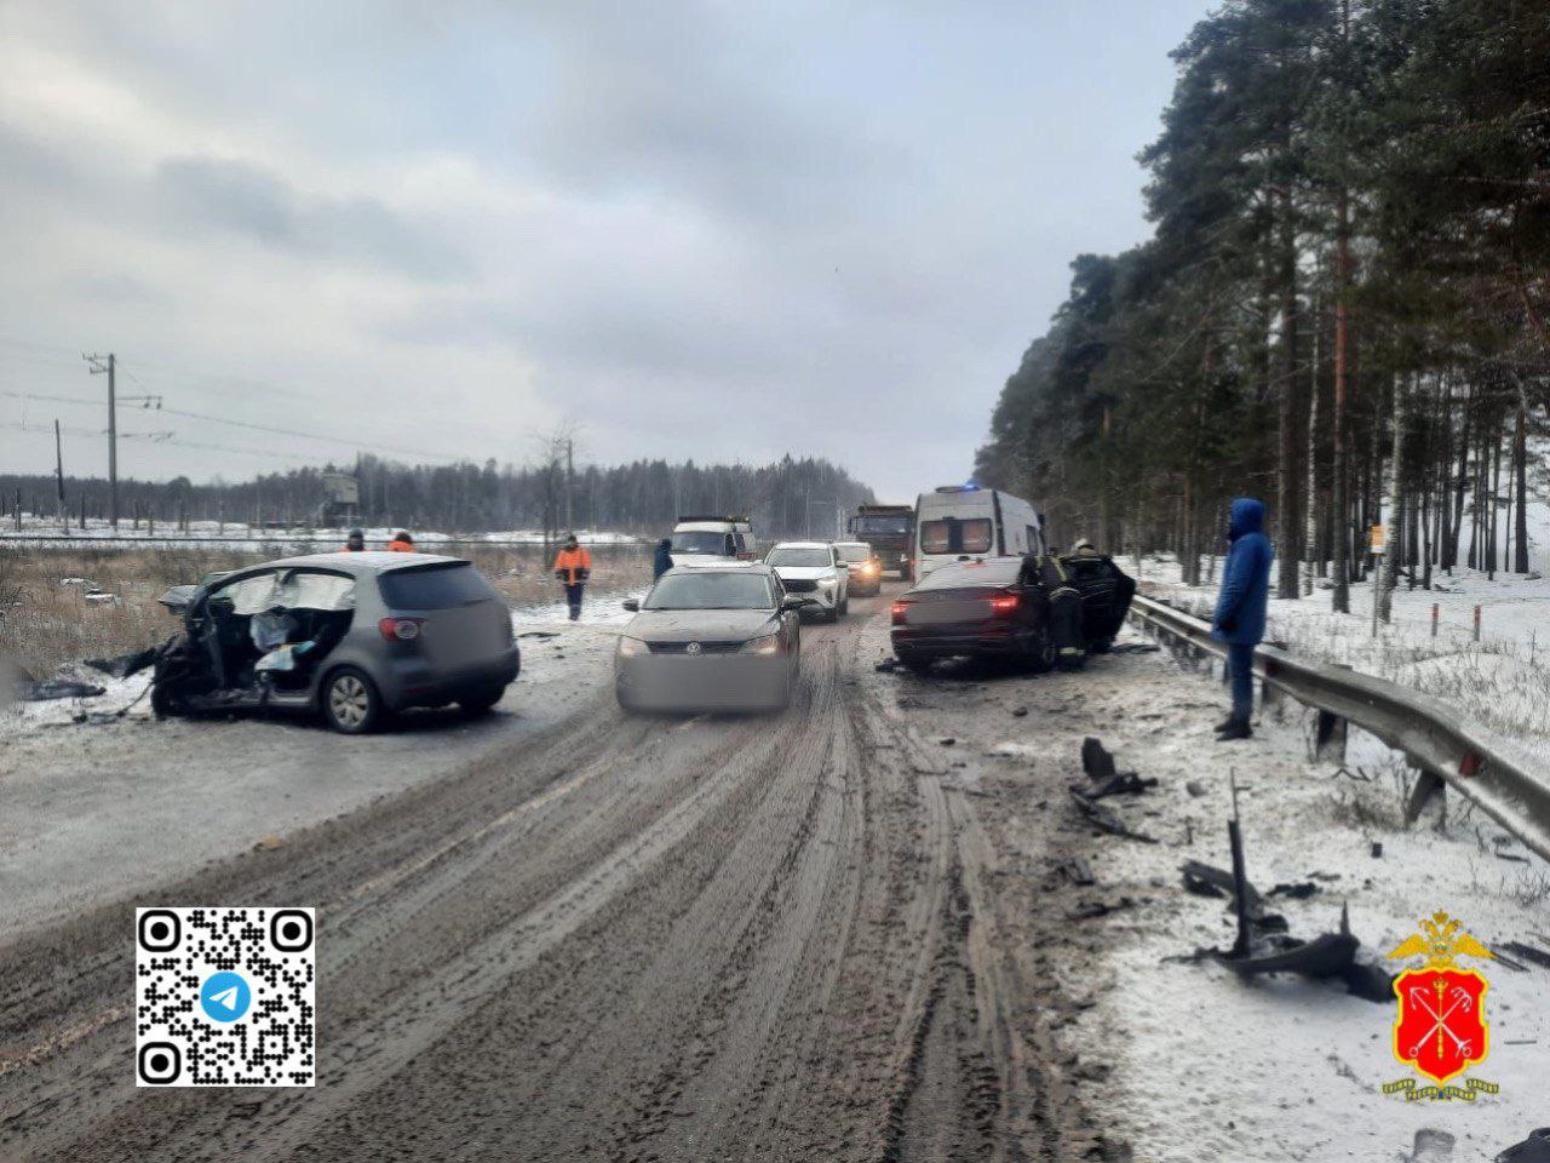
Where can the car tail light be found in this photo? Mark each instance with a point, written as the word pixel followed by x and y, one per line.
pixel 400 629
pixel 898 612
pixel 1003 603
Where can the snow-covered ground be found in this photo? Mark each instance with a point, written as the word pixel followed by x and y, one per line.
pixel 1502 681
pixel 1185 1061
pixel 1282 1068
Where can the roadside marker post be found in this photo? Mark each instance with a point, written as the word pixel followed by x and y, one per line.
pixel 1477 623
pixel 1434 619
pixel 1377 539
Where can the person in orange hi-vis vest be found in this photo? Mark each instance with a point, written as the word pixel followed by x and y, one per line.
pixel 401 543
pixel 573 566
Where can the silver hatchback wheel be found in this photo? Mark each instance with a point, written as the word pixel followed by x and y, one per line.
pixel 351 703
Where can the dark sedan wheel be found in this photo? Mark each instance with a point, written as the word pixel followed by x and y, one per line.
pixel 1041 654
pixel 480 702
pixel 351 703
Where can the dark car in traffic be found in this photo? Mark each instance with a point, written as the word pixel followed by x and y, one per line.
pixel 973 609
pixel 354 637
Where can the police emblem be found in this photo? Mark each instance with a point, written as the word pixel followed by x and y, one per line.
pixel 1440 1030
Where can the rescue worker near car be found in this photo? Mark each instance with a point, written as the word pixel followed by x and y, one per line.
pixel 355 542
pixel 401 543
pixel 573 566
pixel 663 559
pixel 1065 607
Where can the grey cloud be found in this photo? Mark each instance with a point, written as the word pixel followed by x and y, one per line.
pixel 661 97
pixel 263 206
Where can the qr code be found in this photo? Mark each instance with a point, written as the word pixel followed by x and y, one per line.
pixel 225 997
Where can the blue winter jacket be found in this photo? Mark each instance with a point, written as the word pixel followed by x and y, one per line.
pixel 663 560
pixel 1240 607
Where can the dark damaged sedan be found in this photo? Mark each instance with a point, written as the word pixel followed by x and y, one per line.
pixel 352 636
pixel 723 637
pixel 977 608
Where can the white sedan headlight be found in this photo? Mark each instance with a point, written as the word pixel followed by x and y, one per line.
pixel 828 583
pixel 768 644
pixel 630 647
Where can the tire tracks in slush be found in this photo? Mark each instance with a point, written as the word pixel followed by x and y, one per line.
pixel 727 938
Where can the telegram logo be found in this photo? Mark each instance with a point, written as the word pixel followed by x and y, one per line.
pixel 225 997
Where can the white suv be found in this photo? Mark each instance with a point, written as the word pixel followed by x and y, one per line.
pixel 813 569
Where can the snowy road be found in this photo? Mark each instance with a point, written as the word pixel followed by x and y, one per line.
pixel 836 933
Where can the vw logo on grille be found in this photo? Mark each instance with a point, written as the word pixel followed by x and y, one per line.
pixel 692 648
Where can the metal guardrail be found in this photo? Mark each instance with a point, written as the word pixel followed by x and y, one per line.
pixel 1444 746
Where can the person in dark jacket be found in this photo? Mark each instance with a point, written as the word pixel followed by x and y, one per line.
pixel 1065 607
pixel 1240 609
pixel 664 558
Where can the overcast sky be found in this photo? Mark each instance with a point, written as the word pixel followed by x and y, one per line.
pixel 722 231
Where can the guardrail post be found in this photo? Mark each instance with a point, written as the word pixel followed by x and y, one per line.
pixel 1270 696
pixel 1329 738
pixel 1427 785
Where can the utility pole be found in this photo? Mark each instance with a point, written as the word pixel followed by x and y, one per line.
pixel 59 478
pixel 98 367
pixel 570 484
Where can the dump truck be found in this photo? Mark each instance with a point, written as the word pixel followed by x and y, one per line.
pixel 890 531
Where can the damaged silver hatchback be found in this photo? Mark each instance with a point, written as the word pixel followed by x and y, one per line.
pixel 353 637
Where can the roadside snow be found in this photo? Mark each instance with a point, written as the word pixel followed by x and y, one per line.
pixel 1502 681
pixel 601 609
pixel 121 698
pixel 100 534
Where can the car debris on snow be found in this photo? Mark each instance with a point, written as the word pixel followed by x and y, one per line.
pixel 1102 818
pixel 1091 910
pixel 125 665
pixel 1077 871
pixel 58 688
pixel 1264 944
pixel 1099 766
pixel 1534 1149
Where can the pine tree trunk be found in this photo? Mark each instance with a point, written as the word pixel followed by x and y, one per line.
pixel 1393 526
pixel 1496 484
pixel 1311 500
pixel 1288 481
pixel 1456 534
pixel 1520 474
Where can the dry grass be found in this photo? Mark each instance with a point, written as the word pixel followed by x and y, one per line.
pixel 44 623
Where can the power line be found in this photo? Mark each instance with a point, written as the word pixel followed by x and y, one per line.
pixel 167 438
pixel 366 444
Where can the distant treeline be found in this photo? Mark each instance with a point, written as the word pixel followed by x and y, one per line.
pixel 785 499
pixel 1345 300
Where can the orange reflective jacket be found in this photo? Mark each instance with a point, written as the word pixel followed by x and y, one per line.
pixel 573 564
pixel 400 547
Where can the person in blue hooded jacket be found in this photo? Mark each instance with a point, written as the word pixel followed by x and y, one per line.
pixel 1240 609
pixel 663 560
